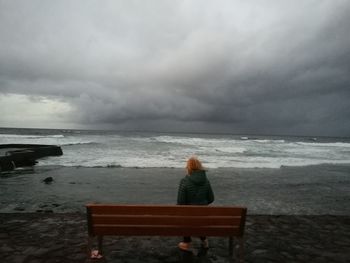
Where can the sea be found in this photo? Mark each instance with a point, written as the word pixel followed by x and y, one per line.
pixel 267 174
pixel 91 148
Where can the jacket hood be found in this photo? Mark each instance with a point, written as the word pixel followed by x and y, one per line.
pixel 198 177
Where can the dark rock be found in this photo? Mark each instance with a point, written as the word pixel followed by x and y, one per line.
pixel 25 155
pixel 44 211
pixel 114 166
pixel 19 209
pixel 48 180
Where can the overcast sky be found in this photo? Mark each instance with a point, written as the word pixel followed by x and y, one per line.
pixel 261 67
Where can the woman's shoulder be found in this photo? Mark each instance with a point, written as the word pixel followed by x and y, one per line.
pixel 184 179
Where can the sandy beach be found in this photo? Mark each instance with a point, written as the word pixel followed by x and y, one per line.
pixel 36 237
pixel 295 214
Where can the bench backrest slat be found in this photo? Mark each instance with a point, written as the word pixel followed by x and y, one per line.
pixel 164 210
pixel 165 220
pixel 171 220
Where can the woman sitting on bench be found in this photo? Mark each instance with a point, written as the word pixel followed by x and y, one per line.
pixel 194 189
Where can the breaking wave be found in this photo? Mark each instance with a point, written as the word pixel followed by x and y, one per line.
pixel 154 150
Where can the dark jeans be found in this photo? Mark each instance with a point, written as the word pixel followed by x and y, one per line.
pixel 188 239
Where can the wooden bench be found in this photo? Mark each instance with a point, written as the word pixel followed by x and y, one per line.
pixel 166 220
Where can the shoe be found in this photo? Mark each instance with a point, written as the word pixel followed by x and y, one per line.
pixel 95 254
pixel 184 246
pixel 205 243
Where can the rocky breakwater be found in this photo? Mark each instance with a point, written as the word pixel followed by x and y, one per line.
pixel 20 155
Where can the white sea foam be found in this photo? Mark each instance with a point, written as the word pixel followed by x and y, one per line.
pixel 325 144
pixel 19 136
pixel 77 143
pixel 269 141
pixel 231 149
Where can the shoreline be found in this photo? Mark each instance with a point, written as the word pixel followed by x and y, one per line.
pixel 311 190
pixel 43 167
pixel 61 237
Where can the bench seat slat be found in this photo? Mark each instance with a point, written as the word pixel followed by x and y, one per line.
pixel 165 220
pixel 152 230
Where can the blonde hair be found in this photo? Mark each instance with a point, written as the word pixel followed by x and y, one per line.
pixel 193 164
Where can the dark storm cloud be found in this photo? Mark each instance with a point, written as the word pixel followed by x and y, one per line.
pixel 272 67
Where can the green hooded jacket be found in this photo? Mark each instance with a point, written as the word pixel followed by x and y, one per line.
pixel 195 189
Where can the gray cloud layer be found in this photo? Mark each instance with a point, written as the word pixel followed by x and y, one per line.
pixel 217 66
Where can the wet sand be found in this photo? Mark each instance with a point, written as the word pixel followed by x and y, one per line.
pixel 41 237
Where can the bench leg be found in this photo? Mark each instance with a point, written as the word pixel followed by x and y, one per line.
pixel 89 245
pixel 241 249
pixel 100 243
pixel 230 246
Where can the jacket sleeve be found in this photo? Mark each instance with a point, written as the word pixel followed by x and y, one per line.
pixel 210 194
pixel 181 195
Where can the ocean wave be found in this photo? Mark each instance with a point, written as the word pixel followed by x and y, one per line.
pixel 196 141
pixel 174 140
pixel 325 144
pixel 106 166
pixel 78 143
pixel 206 141
pixel 167 151
pixel 210 164
pixel 11 136
pixel 230 149
pixel 268 141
